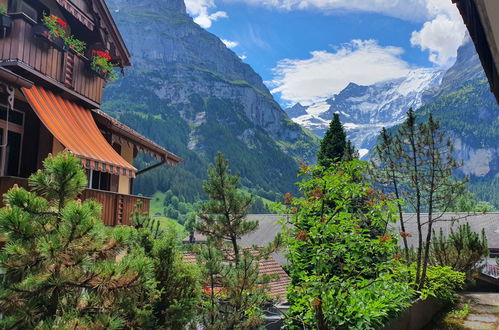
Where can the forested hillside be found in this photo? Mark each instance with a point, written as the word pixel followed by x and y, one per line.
pixel 195 97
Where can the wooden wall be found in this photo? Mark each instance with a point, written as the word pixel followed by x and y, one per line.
pixel 65 67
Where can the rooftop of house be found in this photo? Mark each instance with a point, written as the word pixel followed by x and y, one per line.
pixel 269 227
pixel 266 267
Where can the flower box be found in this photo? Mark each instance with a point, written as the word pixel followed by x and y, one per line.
pixel 42 32
pixel 5 22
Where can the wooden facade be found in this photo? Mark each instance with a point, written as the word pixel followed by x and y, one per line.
pixel 21 51
pixel 116 208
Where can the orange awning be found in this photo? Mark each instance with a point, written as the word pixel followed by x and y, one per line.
pixel 75 128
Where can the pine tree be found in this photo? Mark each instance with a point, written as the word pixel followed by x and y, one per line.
pixel 223 216
pixel 235 291
pixel 420 159
pixel 64 268
pixel 334 145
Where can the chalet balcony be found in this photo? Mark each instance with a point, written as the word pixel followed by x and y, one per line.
pixel 116 208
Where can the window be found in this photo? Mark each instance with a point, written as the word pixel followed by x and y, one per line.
pixel 11 140
pixel 99 180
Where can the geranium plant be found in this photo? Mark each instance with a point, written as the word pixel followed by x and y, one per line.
pixel 3 11
pixel 57 26
pixel 101 63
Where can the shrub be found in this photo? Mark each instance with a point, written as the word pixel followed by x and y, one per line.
pixel 341 255
pixel 463 250
pixel 3 10
pixel 64 268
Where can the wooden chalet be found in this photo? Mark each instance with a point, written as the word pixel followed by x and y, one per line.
pixel 482 20
pixel 50 97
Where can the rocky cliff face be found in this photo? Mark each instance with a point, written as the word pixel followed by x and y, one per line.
pixel 160 35
pixel 201 98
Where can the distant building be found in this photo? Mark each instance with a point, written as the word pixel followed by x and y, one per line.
pixel 482 20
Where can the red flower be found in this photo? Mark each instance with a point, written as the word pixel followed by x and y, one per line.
pixel 288 199
pixel 405 235
pixel 101 54
pixel 61 22
pixel 316 302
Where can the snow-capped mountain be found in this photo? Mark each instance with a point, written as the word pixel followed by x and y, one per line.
pixel 364 110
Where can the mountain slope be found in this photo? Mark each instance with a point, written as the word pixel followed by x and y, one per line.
pixel 364 110
pixel 469 114
pixel 192 95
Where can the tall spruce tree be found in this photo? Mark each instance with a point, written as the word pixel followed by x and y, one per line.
pixel 334 145
pixel 64 268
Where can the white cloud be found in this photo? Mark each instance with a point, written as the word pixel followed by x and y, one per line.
pixel 230 44
pixel 325 73
pixel 442 35
pixel 200 10
pixel 243 57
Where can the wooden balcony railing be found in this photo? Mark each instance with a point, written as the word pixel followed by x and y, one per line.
pixel 116 208
pixel 22 49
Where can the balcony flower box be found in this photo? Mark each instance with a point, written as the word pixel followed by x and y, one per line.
pixel 42 32
pixel 5 22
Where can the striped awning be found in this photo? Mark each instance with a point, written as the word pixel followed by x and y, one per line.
pixel 75 128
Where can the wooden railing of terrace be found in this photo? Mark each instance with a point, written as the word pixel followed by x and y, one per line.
pixel 22 50
pixel 116 208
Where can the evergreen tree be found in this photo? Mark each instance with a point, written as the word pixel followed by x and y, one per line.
pixel 235 292
pixel 334 145
pixel 64 268
pixel 223 216
pixel 419 164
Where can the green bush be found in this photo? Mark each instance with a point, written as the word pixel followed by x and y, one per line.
pixel 442 282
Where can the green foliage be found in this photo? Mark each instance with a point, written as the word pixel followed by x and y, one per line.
pixel 103 66
pixel 467 202
pixel 334 145
pixel 3 10
pixel 235 293
pixel 77 45
pixel 442 282
pixel 64 269
pixel 341 255
pixel 463 250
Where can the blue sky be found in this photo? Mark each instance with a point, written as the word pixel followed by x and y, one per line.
pixel 307 50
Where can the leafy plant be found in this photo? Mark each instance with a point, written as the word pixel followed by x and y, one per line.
pixel 3 10
pixel 442 282
pixel 77 45
pixel 101 63
pixel 340 252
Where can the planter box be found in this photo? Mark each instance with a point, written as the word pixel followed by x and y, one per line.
pixel 5 21
pixel 418 316
pixel 42 32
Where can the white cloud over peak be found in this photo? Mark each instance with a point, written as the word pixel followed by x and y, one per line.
pixel 230 43
pixel 443 34
pixel 201 11
pixel 312 80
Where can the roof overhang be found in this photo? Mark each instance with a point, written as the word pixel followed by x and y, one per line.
pixel 119 129
pixel 482 20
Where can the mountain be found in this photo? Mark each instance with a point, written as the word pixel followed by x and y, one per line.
pixel 469 114
pixel 191 94
pixel 364 110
